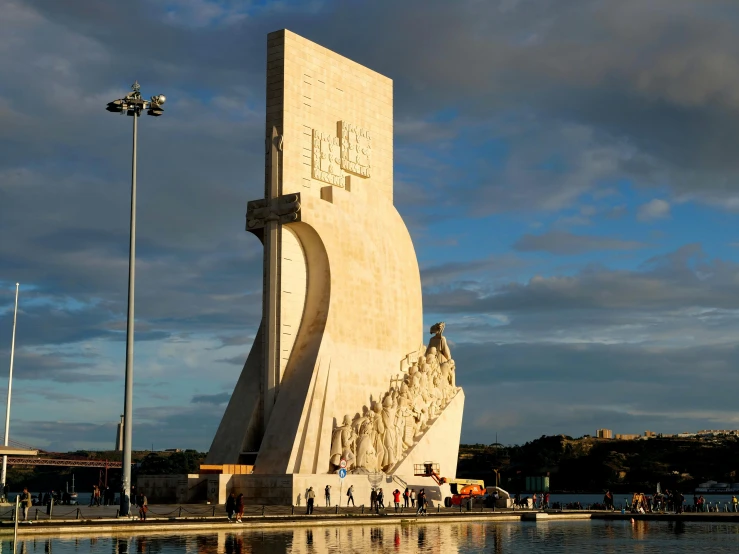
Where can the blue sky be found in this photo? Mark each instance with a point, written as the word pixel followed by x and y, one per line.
pixel 567 170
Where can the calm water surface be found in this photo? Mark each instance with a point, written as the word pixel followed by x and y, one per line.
pixel 614 537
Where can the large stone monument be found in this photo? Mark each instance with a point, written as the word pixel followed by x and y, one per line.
pixel 338 373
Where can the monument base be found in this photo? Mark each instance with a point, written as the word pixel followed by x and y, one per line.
pixel 290 490
pixel 284 490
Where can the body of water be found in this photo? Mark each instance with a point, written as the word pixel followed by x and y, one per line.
pixel 619 499
pixel 608 537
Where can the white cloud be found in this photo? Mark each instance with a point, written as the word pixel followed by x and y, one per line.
pixel 653 210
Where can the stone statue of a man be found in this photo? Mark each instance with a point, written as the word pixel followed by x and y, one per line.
pixel 438 342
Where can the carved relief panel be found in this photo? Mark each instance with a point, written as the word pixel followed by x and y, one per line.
pixel 327 159
pixel 356 149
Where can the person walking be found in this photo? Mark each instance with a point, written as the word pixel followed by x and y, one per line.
pixel 143 506
pixel 327 494
pixel 373 499
pixel 231 506
pixel 413 498
pixel 396 499
pixel 239 507
pixel 495 498
pixel 406 497
pixel 350 496
pixel 546 501
pixel 421 502
pixel 26 503
pixel 310 498
pixel 380 499
pixel 734 503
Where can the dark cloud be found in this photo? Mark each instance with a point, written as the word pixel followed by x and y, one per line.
pixel 444 273
pixel 215 399
pixel 235 340
pixel 238 360
pixel 60 367
pixel 563 242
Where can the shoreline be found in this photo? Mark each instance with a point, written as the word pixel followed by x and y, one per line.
pixel 113 526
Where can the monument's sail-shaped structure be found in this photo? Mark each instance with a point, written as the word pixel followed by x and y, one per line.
pixel 339 353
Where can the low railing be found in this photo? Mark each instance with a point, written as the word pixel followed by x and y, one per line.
pixel 217 512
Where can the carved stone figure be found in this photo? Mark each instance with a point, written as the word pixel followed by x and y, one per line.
pixel 447 380
pixel 437 398
pixel 424 379
pixel 341 441
pixel 366 458
pixel 390 441
pixel 438 341
pixel 379 434
pixel 404 424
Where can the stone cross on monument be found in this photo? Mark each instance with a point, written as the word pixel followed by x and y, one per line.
pixel 396 381
pixel 265 218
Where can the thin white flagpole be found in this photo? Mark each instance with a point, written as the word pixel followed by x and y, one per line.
pixel 10 385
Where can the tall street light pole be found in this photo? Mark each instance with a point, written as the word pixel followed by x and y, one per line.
pixel 3 477
pixel 132 105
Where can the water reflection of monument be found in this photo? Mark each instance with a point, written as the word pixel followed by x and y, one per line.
pixel 338 374
pixel 435 537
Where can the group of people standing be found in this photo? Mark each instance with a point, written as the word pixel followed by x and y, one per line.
pixel 668 501
pixel 409 498
pixel 104 496
pixel 538 501
pixel 327 495
pixel 377 499
pixel 700 504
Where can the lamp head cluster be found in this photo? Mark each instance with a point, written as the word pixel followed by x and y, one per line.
pixel 133 104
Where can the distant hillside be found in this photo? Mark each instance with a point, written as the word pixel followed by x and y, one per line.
pixel 47 478
pixel 592 465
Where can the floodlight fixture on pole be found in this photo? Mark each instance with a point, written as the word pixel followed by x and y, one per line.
pixel 4 475
pixel 133 105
